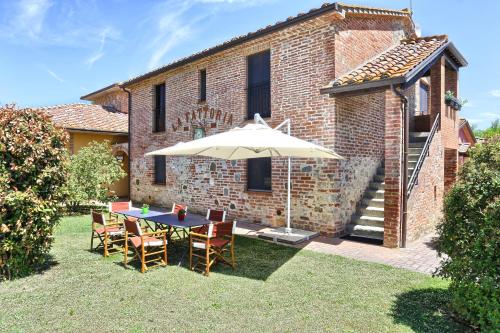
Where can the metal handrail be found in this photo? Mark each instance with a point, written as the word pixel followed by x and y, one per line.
pixel 423 154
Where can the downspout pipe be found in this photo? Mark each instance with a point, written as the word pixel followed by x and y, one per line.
pixel 128 137
pixel 404 165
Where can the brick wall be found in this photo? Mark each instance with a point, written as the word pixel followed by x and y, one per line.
pixel 425 203
pixel 324 192
pixel 117 99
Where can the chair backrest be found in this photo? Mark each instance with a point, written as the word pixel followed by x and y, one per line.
pixel 98 218
pixel 225 229
pixel 119 205
pixel 216 215
pixel 177 207
pixel 132 226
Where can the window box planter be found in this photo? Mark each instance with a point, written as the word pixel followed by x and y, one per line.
pixel 453 102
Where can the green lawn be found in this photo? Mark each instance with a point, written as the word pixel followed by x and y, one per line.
pixel 274 289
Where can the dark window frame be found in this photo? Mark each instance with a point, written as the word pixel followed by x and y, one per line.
pixel 159 178
pixel 203 85
pixel 424 86
pixel 159 111
pixel 259 85
pixel 259 185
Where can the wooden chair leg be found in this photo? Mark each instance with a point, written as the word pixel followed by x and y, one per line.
pixel 125 254
pixel 143 259
pixel 106 245
pixel 165 249
pixel 207 260
pixel 190 253
pixel 92 242
pixel 233 262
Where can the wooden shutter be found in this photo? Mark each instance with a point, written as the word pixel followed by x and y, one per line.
pixel 159 112
pixel 160 171
pixel 259 174
pixel 259 85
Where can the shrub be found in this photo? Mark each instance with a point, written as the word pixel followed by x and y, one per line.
pixel 91 171
pixel 32 172
pixel 470 238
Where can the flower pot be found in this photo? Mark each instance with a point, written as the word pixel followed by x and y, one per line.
pixel 181 217
pixel 144 210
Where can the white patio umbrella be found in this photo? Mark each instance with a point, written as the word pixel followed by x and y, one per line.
pixel 252 141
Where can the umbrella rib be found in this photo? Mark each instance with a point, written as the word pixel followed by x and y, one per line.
pixel 232 153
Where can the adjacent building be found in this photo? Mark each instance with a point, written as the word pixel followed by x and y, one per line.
pixel 352 78
pixel 86 123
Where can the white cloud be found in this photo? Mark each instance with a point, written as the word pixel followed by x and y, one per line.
pixel 31 16
pixel 495 93
pixel 490 115
pixel 105 33
pixel 54 75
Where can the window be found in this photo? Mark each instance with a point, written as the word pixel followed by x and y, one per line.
pixel 203 85
pixel 159 111
pixel 259 174
pixel 259 85
pixel 424 99
pixel 160 170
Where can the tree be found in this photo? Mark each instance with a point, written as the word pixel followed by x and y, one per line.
pixel 470 238
pixel 489 132
pixel 91 171
pixel 33 157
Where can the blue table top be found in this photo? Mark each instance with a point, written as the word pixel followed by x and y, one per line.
pixel 191 220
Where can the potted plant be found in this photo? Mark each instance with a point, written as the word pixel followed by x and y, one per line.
pixel 145 209
pixel 452 101
pixel 181 214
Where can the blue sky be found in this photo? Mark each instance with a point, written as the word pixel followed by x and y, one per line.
pixel 53 52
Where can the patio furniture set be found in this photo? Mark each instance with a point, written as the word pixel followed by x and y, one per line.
pixel 149 233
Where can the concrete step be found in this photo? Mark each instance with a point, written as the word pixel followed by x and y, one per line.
pixel 379 178
pixel 377 185
pixel 372 221
pixel 418 136
pixel 371 211
pixel 415 151
pixel 365 231
pixel 377 194
pixel 373 202
pixel 413 157
pixel 411 164
pixel 419 145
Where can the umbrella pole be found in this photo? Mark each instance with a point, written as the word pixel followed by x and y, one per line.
pixel 288 229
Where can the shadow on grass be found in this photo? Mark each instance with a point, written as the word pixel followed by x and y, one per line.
pixel 9 273
pixel 255 259
pixel 426 310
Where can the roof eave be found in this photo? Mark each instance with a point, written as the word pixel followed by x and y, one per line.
pixel 408 79
pixel 98 92
pixel 86 130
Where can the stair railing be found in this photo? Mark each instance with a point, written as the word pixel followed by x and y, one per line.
pixel 425 152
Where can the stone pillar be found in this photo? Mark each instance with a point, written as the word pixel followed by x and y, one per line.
pixel 393 189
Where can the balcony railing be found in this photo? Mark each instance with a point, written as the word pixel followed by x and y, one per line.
pixel 259 100
pixel 425 151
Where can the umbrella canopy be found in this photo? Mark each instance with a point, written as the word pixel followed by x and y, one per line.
pixel 251 141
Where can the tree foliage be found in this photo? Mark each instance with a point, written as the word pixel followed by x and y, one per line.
pixel 91 171
pixel 470 238
pixel 33 157
pixel 489 132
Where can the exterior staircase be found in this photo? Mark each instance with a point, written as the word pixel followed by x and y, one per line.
pixel 368 222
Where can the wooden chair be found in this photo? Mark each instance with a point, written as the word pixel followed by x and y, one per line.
pixel 214 215
pixel 108 233
pixel 210 247
pixel 145 245
pixel 117 206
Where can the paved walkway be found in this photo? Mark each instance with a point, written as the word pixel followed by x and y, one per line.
pixel 418 256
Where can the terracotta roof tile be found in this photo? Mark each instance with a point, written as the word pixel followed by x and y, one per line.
pixel 395 62
pixel 326 7
pixel 89 117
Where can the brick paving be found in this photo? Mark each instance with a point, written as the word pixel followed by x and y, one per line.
pixel 419 256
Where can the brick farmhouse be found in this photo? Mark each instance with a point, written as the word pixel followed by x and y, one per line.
pixel 355 79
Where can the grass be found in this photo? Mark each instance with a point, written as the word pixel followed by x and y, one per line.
pixel 274 289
